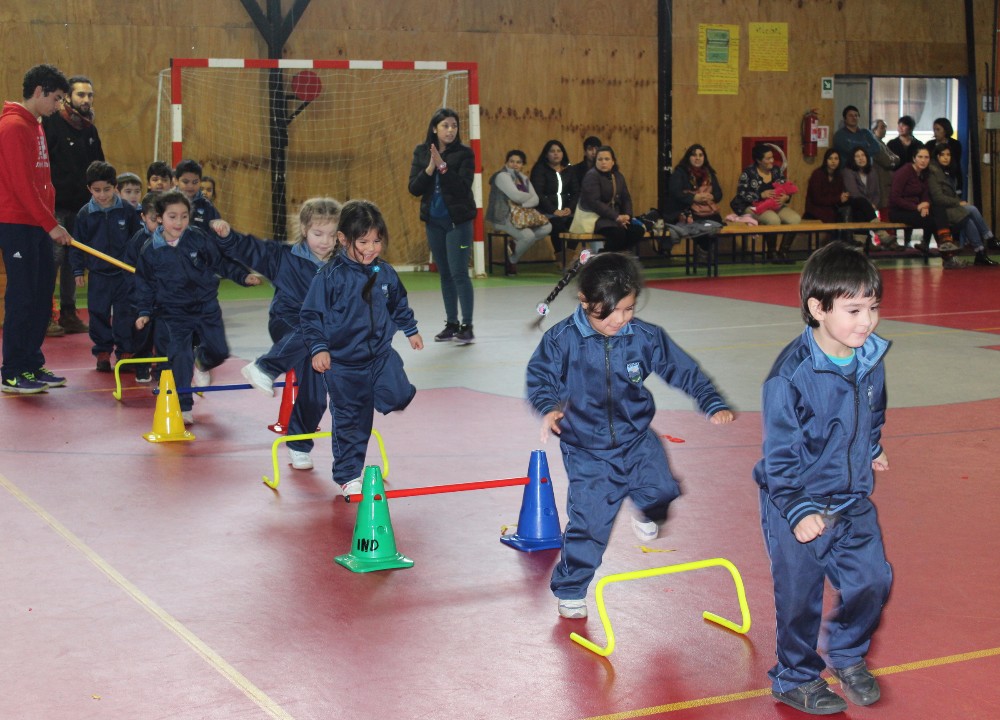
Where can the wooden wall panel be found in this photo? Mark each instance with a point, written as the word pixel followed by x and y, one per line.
pixel 560 69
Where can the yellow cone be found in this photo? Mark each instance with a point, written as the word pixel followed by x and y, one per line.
pixel 168 424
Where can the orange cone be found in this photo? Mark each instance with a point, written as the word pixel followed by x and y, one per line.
pixel 168 424
pixel 288 395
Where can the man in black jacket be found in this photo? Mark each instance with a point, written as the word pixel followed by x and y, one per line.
pixel 73 144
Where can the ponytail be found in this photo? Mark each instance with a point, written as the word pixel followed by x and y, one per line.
pixel 543 307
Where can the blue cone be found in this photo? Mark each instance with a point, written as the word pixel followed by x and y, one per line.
pixel 538 524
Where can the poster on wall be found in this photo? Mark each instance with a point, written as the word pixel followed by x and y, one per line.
pixel 718 59
pixel 768 47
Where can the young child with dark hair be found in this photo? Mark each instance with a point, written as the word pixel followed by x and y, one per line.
pixel 142 339
pixel 130 188
pixel 353 308
pixel 177 280
pixel 291 268
pixel 105 223
pixel 587 379
pixel 823 410
pixel 188 177
pixel 159 177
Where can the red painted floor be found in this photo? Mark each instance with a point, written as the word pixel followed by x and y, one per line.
pixel 962 299
pixel 166 581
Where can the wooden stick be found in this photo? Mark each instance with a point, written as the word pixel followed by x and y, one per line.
pixel 97 253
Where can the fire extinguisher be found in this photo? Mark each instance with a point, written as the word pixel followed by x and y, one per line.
pixel 810 121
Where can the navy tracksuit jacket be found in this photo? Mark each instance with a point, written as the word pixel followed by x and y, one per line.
pixel 179 287
pixel 203 212
pixel 822 429
pixel 291 269
pixel 356 328
pixel 608 448
pixel 109 303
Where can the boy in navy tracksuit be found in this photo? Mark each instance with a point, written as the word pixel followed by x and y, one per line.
pixel 353 308
pixel 188 176
pixel 105 223
pixel 823 409
pixel 587 379
pixel 177 279
pixel 291 269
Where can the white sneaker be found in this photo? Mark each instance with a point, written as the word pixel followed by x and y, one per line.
pixel 351 488
pixel 188 417
pixel 645 530
pixel 300 460
pixel 573 609
pixel 200 378
pixel 259 379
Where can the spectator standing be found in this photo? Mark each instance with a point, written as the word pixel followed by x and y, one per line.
pixel 852 135
pixel 905 146
pixel 73 143
pixel 27 227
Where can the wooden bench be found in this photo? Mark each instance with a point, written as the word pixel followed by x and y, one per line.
pixel 812 229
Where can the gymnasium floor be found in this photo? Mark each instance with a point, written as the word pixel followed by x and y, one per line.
pixel 155 581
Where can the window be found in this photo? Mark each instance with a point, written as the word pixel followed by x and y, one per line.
pixel 923 99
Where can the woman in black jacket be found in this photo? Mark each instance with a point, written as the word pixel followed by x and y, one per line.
pixel 557 188
pixel 441 174
pixel 694 193
pixel 604 192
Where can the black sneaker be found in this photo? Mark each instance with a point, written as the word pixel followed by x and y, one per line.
pixel 450 331
pixel 464 335
pixel 23 384
pixel 142 374
pixel 815 698
pixel 48 379
pixel 860 686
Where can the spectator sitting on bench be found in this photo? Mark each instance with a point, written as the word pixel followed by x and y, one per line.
pixel 949 210
pixel 604 192
pixel 910 199
pixel 694 193
pixel 862 183
pixel 554 180
pixel 763 181
pixel 507 186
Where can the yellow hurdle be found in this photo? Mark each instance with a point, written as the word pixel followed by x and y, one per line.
pixel 273 484
pixel 117 393
pixel 667 570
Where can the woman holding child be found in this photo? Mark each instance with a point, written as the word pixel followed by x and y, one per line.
pixel 763 192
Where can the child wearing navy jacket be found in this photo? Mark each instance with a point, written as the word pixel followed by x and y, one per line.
pixel 353 308
pixel 291 269
pixel 188 177
pixel 177 279
pixel 105 223
pixel 142 339
pixel 587 381
pixel 823 410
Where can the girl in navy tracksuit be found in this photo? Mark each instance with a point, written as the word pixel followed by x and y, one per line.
pixel 291 269
pixel 353 308
pixel 177 279
pixel 586 379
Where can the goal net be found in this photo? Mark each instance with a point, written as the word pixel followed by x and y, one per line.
pixel 273 133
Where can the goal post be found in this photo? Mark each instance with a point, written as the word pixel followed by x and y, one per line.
pixel 273 133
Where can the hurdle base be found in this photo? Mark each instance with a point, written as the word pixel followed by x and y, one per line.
pixel 363 565
pixel 531 544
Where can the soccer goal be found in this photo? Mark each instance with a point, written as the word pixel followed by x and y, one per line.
pixel 273 133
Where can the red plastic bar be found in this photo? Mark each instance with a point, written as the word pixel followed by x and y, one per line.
pixel 457 487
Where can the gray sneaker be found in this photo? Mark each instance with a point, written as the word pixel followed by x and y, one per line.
pixel 574 609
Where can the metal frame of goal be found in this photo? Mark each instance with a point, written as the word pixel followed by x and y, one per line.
pixel 178 65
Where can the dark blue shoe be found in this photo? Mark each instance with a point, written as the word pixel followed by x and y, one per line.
pixel 44 376
pixel 815 698
pixel 23 384
pixel 860 686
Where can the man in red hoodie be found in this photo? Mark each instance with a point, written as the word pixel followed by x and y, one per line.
pixel 27 222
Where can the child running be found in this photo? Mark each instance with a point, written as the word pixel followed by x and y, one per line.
pixel 823 410
pixel 353 308
pixel 587 380
pixel 291 269
pixel 177 279
pixel 142 338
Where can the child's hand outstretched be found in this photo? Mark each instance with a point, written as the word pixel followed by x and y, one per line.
pixel 722 417
pixel 321 361
pixel 141 322
pixel 880 463
pixel 221 227
pixel 550 423
pixel 252 280
pixel 416 342
pixel 809 528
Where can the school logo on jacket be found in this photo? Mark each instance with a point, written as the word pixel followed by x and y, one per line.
pixel 385 290
pixel 121 223
pixel 634 371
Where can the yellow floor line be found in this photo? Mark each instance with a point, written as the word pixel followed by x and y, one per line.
pixel 735 697
pixel 207 653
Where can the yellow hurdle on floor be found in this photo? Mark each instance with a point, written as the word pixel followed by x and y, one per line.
pixel 743 629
